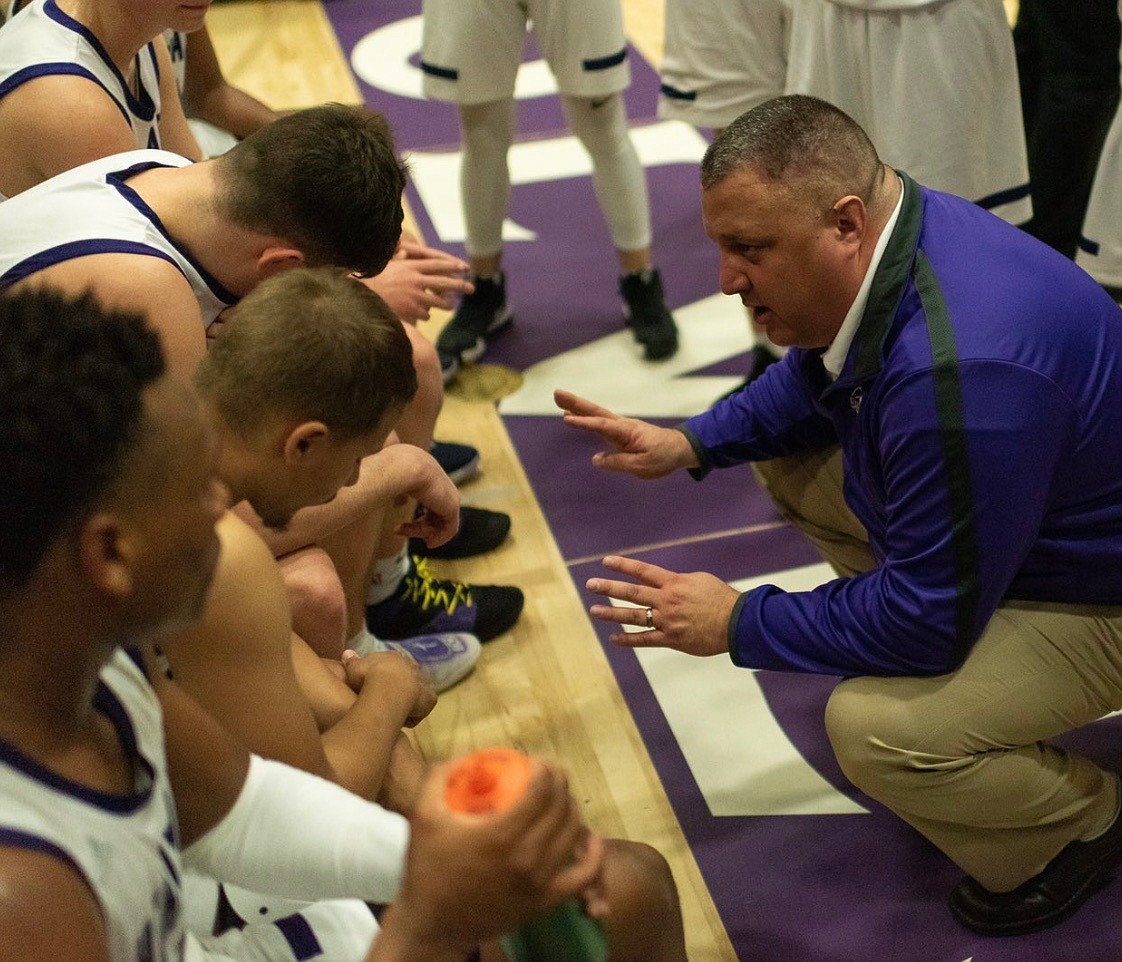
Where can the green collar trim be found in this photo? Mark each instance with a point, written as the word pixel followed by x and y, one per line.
pixel 892 275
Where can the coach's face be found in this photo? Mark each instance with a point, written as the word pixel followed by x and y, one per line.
pixel 793 263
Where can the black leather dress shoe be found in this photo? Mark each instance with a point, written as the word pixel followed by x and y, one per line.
pixel 1046 899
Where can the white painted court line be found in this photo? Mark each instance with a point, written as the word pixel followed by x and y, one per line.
pixel 739 755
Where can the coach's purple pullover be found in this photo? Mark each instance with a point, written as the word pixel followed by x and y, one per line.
pixel 979 412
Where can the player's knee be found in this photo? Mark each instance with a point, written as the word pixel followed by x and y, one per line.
pixel 644 919
pixel 488 128
pixel 418 420
pixel 319 610
pixel 600 124
pixel 426 362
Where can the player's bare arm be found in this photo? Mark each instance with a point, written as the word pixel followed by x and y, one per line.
pixel 175 134
pixel 55 123
pixel 145 285
pixel 210 97
pixel 243 646
pixel 396 472
pixel 48 913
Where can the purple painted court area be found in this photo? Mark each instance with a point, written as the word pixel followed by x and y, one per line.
pixel 851 888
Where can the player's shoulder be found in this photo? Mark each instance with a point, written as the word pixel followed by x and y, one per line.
pixel 242 546
pixel 121 279
pixel 47 909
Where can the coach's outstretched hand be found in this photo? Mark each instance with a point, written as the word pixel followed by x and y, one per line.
pixel 688 612
pixel 639 448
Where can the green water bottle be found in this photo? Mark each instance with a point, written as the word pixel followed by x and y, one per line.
pixel 492 780
pixel 566 934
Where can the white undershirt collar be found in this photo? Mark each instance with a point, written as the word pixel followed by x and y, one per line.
pixel 834 357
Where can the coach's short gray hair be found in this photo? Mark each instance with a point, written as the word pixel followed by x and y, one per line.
pixel 797 138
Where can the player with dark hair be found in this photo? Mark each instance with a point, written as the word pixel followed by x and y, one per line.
pixel 109 769
pixel 150 231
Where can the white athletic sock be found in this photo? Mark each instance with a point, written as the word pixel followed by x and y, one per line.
pixel 388 573
pixel 364 642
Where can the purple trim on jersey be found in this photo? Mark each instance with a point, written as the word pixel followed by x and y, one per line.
pixel 168 863
pixel 299 935
pixel 136 658
pixel 20 77
pixel 144 108
pixel 117 180
pixel 74 249
pixel 155 63
pixel 14 838
pixel 605 63
pixel 106 702
pixel 675 94
pixel 1088 246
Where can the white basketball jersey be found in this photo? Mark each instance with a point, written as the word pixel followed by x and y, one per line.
pixel 125 846
pixel 177 48
pixel 92 210
pixel 44 41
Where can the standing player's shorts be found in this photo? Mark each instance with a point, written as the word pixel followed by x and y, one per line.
pixel 722 57
pixel 471 49
pixel 934 86
pixel 1100 246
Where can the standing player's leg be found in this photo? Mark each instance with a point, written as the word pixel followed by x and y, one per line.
pixel 488 131
pixel 470 54
pixel 586 48
pixel 621 188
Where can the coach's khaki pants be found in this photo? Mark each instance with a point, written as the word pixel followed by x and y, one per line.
pixel 963 757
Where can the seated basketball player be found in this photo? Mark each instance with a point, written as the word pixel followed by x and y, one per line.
pixel 89 78
pixel 80 79
pixel 150 230
pixel 108 512
pixel 300 392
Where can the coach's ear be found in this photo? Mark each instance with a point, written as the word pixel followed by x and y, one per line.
pixel 274 260
pixel 850 220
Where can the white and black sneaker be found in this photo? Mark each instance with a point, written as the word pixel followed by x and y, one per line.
pixel 644 306
pixel 480 315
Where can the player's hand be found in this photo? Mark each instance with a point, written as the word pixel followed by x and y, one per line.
pixel 418 279
pixel 406 472
pixel 637 447
pixel 471 878
pixel 394 675
pixel 438 504
pixel 690 612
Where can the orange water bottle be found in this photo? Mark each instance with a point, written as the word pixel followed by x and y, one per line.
pixel 491 781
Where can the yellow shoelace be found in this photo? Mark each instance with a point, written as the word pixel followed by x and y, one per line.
pixel 422 587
